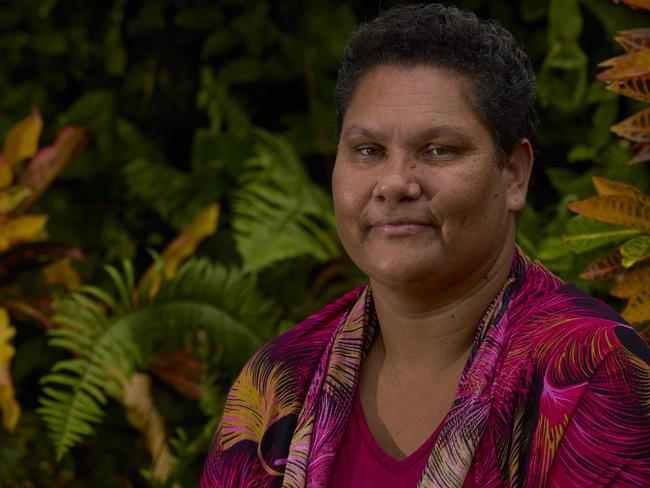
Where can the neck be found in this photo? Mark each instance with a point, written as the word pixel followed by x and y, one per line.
pixel 421 333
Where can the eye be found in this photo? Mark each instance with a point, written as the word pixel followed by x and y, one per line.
pixel 370 151
pixel 438 151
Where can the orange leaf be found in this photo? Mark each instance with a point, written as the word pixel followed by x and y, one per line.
pixel 614 209
pixel 644 4
pixel 603 267
pixel 181 248
pixel 606 187
pixel 22 140
pixel 8 404
pixel 49 162
pixel 637 88
pixel 633 40
pixel 637 309
pixel 631 65
pixel 635 128
pixel 632 283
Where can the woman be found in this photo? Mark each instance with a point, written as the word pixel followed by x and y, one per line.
pixel 461 363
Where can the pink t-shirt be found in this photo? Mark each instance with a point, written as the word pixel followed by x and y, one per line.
pixel 361 463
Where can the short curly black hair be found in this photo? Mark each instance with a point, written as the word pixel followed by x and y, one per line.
pixel 501 76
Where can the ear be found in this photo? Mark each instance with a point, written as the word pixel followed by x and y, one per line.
pixel 518 168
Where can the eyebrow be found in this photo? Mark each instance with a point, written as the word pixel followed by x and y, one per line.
pixel 428 133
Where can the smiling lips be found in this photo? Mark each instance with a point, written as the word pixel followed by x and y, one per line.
pixel 400 227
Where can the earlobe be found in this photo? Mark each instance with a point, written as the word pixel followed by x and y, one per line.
pixel 519 166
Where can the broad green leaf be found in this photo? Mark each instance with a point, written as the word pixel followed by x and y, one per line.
pixel 635 250
pixel 583 234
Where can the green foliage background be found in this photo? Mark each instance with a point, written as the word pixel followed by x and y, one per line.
pixel 188 102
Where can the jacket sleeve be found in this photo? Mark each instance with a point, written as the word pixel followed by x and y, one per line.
pixel 606 441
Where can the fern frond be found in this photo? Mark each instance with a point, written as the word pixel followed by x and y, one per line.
pixel 279 213
pixel 224 304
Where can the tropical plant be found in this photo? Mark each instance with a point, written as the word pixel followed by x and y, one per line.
pixel 620 214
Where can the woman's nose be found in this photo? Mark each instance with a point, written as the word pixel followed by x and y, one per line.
pixel 397 182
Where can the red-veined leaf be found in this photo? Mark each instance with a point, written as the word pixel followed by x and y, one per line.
pixel 626 66
pixel 603 267
pixel 635 128
pixel 637 88
pixel 49 162
pixel 633 40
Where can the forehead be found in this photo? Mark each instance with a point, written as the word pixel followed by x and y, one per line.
pixel 392 97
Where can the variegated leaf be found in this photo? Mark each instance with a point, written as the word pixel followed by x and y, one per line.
pixel 605 187
pixel 637 309
pixel 642 156
pixel 632 283
pixel 635 250
pixel 583 234
pixel 637 88
pixel 626 66
pixel 181 248
pixel 603 267
pixel 633 40
pixel 614 209
pixel 49 162
pixel 635 128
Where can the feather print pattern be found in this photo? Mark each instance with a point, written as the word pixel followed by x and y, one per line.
pixel 555 392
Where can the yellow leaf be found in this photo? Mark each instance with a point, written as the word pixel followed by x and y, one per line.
pixel 6 174
pixel 610 187
pixel 181 248
pixel 13 196
pixel 8 404
pixel 22 141
pixel 21 229
pixel 62 272
pixel 635 128
pixel 614 209
pixel 632 283
pixel 633 40
pixel 637 309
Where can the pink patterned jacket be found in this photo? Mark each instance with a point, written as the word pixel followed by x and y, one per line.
pixel 556 392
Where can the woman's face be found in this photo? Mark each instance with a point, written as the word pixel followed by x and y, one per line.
pixel 419 190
